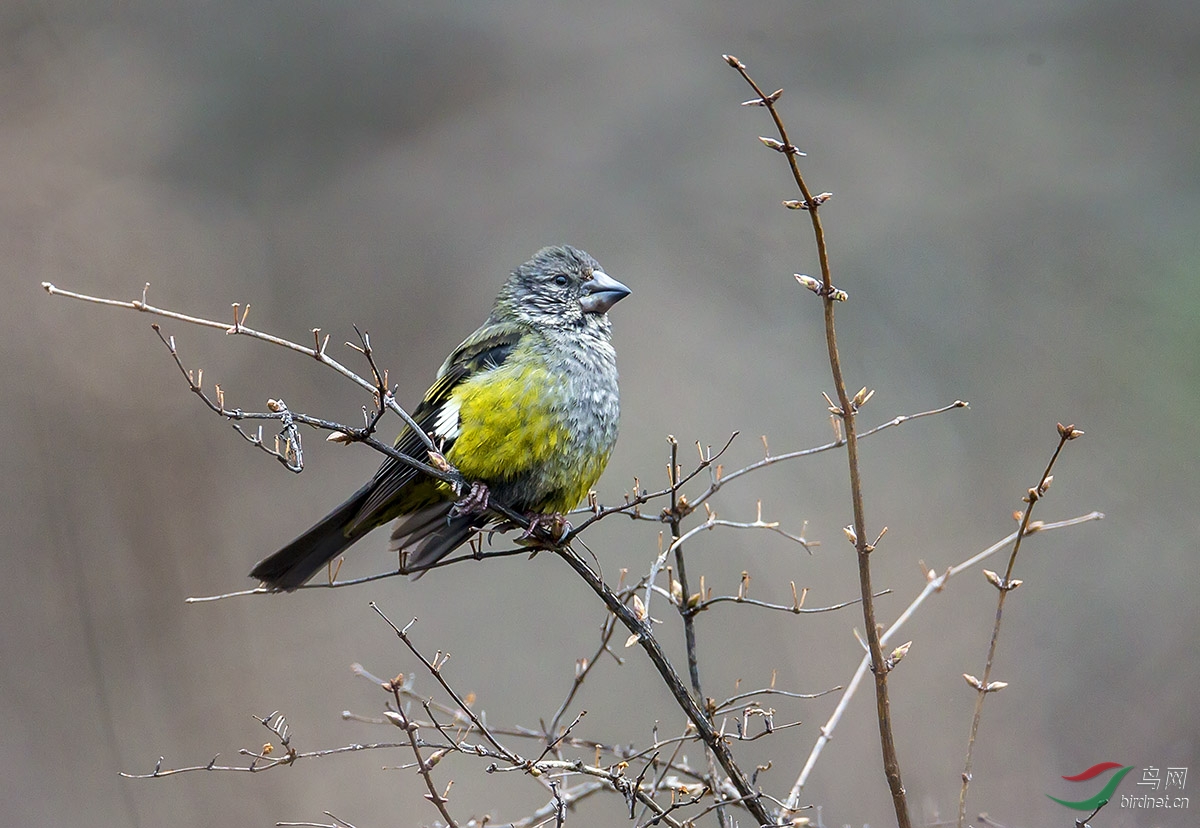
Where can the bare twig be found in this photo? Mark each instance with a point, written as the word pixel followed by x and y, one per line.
pixel 846 410
pixel 264 758
pixel 674 513
pixel 239 328
pixel 691 708
pixel 795 608
pixel 772 459
pixel 934 584
pixel 338 822
pixel 730 702
pixel 438 798
pixel 435 669
pixel 1004 585
pixel 583 668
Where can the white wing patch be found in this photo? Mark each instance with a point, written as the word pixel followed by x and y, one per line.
pixel 445 426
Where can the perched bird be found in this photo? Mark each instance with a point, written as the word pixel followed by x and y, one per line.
pixel 525 408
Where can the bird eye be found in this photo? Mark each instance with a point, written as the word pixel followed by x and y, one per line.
pixel 561 280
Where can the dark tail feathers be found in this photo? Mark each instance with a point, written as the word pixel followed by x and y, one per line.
pixel 299 560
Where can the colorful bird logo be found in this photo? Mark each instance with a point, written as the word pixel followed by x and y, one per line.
pixel 1105 794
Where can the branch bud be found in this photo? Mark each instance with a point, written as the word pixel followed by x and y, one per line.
pixel 860 399
pixel 395 718
pixel 898 654
pixel 808 281
pixel 1069 432
pixel 639 609
pixel 765 101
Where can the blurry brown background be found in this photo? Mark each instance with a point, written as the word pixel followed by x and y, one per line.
pixel 1015 220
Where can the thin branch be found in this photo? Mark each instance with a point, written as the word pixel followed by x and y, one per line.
pixel 435 669
pixel 847 410
pixel 338 822
pixel 640 498
pixel 770 460
pixel 264 758
pixel 710 523
pixel 934 584
pixel 563 799
pixel 239 328
pixel 793 608
pixel 719 477
pixel 730 702
pixel 675 513
pixel 583 668
pixel 691 708
pixel 439 799
pixel 1005 585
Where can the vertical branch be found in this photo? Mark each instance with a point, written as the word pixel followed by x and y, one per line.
pixel 1005 585
pixel 846 409
pixel 438 798
pixel 686 612
pixel 689 618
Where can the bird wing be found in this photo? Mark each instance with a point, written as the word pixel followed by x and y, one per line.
pixel 437 415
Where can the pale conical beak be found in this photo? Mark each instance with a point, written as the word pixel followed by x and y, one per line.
pixel 601 292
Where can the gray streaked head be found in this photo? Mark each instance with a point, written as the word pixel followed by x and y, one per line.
pixel 560 287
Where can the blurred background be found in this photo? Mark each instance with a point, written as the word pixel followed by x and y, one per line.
pixel 1017 196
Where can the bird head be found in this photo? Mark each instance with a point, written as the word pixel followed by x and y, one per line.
pixel 561 287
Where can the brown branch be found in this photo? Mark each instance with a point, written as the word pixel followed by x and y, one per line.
pixel 584 666
pixel 263 759
pixel 1004 585
pixel 435 669
pixel 238 327
pixel 439 799
pixel 772 459
pixel 934 585
pixel 674 516
pixel 795 608
pixel 719 477
pixel 846 410
pixel 645 637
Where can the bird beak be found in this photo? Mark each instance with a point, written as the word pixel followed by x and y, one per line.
pixel 601 292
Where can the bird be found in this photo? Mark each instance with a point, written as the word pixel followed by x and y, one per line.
pixel 526 409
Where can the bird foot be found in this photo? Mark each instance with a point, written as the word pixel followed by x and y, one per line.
pixel 542 528
pixel 473 502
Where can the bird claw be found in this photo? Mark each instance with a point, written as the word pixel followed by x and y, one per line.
pixel 553 528
pixel 473 502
